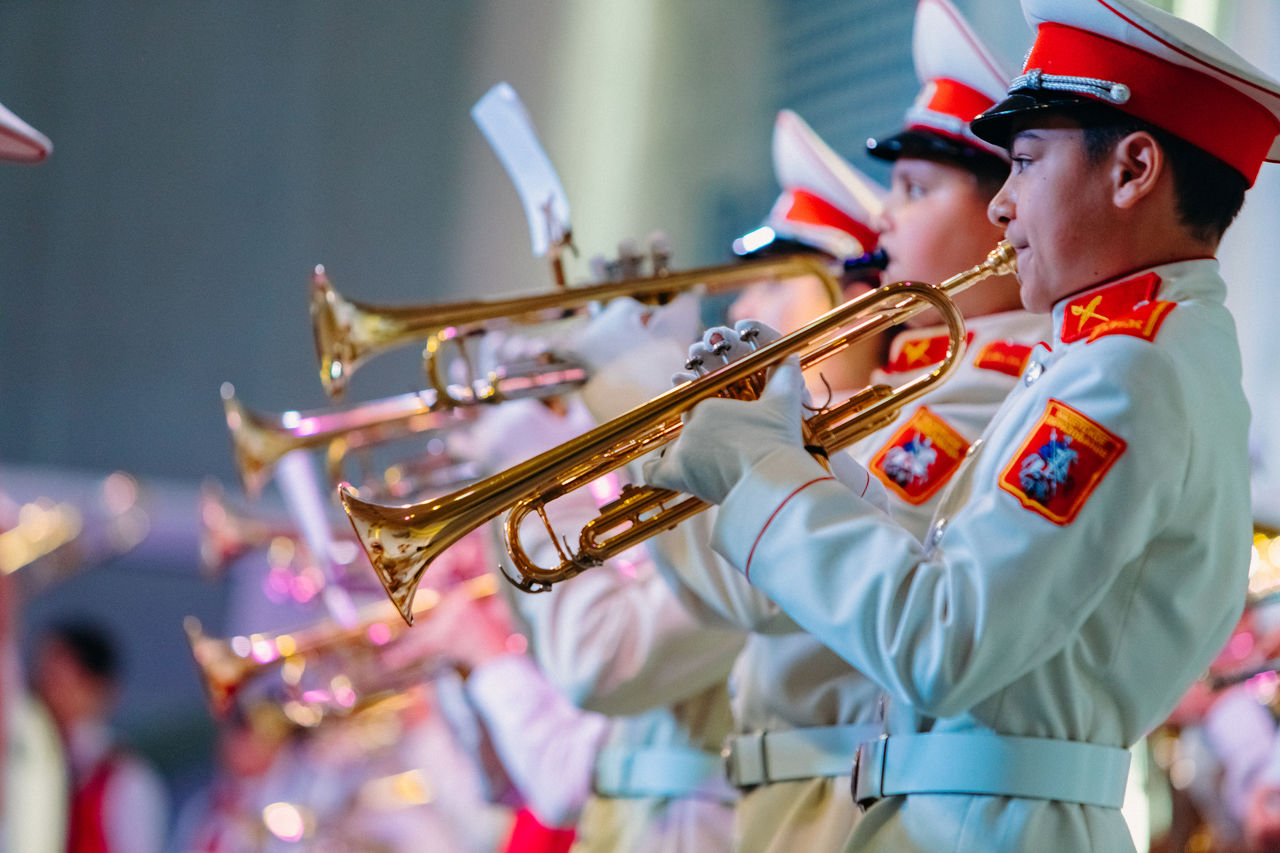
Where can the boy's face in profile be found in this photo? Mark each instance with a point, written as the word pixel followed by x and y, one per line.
pixel 1052 205
pixel 934 223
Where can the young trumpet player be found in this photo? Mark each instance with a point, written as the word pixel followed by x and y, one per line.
pixel 801 710
pixel 1091 556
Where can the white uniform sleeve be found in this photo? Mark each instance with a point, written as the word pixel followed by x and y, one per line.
pixel 686 559
pixel 135 808
pixel 622 645
pixel 1005 587
pixel 547 746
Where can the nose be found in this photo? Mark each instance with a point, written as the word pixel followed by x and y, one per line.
pixel 880 219
pixel 1002 208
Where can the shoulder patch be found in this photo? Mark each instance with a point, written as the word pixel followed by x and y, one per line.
pixel 920 457
pixel 1060 464
pixel 1125 308
pixel 1004 357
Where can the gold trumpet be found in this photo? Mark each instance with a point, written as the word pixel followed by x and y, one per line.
pixel 401 541
pixel 260 440
pixel 226 665
pixel 348 333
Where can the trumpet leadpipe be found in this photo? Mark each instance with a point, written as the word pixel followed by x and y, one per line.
pixel 348 333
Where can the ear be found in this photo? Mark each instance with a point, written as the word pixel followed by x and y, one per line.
pixel 1137 164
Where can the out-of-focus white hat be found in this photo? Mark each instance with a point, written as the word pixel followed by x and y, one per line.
pixel 825 204
pixel 19 141
pixel 959 77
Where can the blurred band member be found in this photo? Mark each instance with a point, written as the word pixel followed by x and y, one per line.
pixel 118 802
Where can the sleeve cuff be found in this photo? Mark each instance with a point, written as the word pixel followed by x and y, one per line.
pixel 753 502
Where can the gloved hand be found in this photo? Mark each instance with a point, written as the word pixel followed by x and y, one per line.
pixel 722 439
pixel 630 350
pixel 721 345
pixel 517 430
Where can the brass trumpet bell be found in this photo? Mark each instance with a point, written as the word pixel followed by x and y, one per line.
pixel 401 541
pixel 259 440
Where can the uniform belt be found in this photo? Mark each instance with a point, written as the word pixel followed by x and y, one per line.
pixel 987 764
pixel 667 771
pixel 781 756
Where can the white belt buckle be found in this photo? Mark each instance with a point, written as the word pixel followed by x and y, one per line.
pixel 735 749
pixel 868 772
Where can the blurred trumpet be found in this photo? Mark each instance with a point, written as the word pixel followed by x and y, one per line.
pixel 348 333
pixel 46 540
pixel 228 533
pixel 401 541
pixel 228 665
pixel 259 440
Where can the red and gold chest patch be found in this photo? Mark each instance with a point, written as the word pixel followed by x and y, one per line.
pixel 1003 357
pixel 907 354
pixel 921 457
pixel 1061 463
pixel 1125 308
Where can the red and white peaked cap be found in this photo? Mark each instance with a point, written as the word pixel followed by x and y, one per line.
pixel 960 78
pixel 19 141
pixel 825 204
pixel 1152 65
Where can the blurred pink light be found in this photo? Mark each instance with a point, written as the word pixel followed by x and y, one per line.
pixel 379 633
pixel 1240 645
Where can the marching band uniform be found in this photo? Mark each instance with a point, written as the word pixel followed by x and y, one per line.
pixel 796 703
pixel 1089 558
pixel 616 640
pixel 788 681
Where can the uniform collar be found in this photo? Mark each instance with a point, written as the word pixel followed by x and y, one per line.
pixel 1077 316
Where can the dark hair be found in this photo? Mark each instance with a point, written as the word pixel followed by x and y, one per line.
pixel 91 646
pixel 990 170
pixel 1209 192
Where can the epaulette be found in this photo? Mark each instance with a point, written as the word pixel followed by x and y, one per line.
pixel 1003 357
pixel 1128 307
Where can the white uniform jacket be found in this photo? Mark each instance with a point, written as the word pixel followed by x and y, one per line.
pixel 1087 563
pixel 786 678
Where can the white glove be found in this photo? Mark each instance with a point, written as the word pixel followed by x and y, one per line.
pixel 723 439
pixel 630 350
pixel 517 430
pixel 721 345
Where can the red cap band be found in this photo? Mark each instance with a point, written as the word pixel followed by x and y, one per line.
pixel 811 209
pixel 957 99
pixel 1172 97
